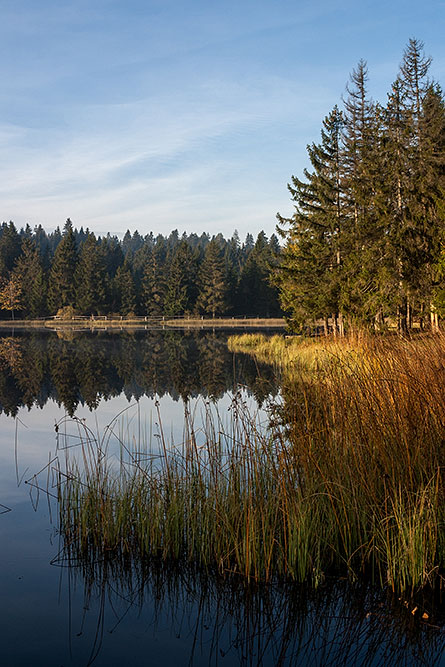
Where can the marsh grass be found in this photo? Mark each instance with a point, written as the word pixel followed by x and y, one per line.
pixel 347 479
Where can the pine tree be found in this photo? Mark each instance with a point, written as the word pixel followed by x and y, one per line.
pixel 181 290
pixel 256 295
pixel 395 189
pixel 212 298
pixel 61 286
pixel 308 275
pixel 154 280
pixel 29 272
pixel 385 255
pixel 10 247
pixel 125 292
pixel 247 246
pixel 432 132
pixel 423 116
pixel 90 278
pixel 363 225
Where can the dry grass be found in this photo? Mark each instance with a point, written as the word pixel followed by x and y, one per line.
pixel 348 480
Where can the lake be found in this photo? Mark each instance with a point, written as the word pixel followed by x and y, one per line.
pixel 58 612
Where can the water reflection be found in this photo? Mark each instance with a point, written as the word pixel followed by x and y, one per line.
pixel 81 370
pixel 213 621
pixel 112 611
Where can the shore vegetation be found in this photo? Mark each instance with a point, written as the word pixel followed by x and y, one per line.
pixel 346 480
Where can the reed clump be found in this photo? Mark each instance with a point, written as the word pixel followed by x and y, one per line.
pixel 293 351
pixel 348 478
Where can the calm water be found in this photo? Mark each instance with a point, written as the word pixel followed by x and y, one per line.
pixel 56 613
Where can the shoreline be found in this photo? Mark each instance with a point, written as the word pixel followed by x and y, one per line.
pixel 147 323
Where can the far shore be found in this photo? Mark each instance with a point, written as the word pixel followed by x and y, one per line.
pixel 102 322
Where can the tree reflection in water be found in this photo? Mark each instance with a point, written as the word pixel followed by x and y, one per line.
pixel 216 620
pixel 81 369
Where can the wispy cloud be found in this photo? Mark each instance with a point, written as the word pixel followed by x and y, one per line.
pixel 169 159
pixel 162 114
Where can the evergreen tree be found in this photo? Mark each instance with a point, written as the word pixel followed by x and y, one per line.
pixel 232 274
pixel 154 280
pixel 256 295
pixel 54 240
pixel 412 82
pixel 396 187
pixel 126 244
pixel 384 254
pixel 212 298
pixel 61 286
pixel 124 288
pixel 247 246
pixel 430 233
pixel 10 247
pixel 362 226
pixel 310 269
pixel 112 253
pixel 90 278
pixel 43 246
pixel 30 274
pixel 181 290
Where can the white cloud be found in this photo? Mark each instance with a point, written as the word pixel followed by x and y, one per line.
pixel 169 161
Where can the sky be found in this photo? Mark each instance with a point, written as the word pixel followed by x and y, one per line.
pixel 154 115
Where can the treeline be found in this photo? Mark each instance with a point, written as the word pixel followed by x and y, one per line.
pixel 366 243
pixel 72 270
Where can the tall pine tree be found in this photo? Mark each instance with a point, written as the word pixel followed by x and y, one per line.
pixel 61 285
pixel 308 275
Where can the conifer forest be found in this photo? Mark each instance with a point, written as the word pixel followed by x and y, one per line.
pixel 364 247
pixel 44 273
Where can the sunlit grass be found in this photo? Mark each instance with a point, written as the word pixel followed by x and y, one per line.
pixel 347 479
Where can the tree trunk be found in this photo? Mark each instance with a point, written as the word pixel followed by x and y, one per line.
pixel 378 320
pixel 409 314
pixel 341 325
pixel 402 325
pixel 326 326
pixel 434 318
pixel 422 316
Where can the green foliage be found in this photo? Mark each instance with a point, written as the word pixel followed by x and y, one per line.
pixel 312 259
pixel 61 285
pixel 90 278
pixel 124 289
pixel 154 280
pixel 181 288
pixel 10 247
pixel 256 295
pixel 29 272
pixel 154 276
pixel 364 242
pixel 212 297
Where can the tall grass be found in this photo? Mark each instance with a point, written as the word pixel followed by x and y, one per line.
pixel 347 479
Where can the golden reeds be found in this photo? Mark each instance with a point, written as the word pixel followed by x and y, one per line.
pixel 349 478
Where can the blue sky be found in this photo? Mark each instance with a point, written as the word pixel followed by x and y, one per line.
pixel 191 115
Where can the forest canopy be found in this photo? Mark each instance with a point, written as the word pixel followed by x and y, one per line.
pixel 41 273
